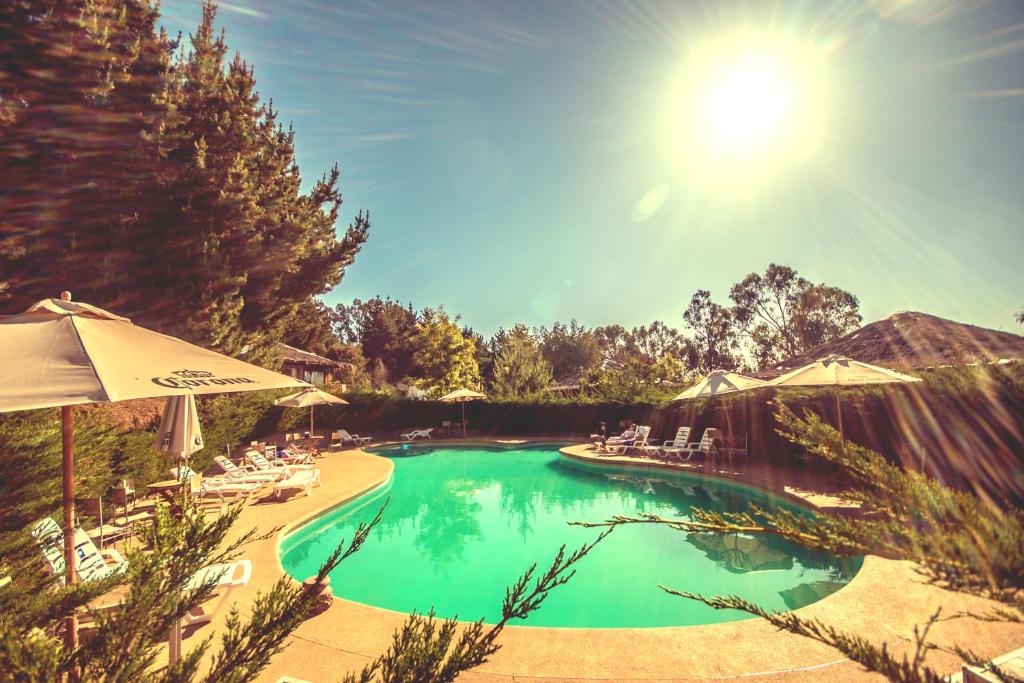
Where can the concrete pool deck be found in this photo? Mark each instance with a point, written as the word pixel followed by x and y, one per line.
pixel 883 602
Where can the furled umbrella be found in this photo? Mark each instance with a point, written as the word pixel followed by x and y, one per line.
pixel 836 371
pixel 462 396
pixel 311 397
pixel 67 353
pixel 179 435
pixel 721 382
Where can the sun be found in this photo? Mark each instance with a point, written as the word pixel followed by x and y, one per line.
pixel 749 104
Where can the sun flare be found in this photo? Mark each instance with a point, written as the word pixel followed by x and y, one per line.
pixel 749 104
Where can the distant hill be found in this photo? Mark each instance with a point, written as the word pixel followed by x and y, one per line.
pixel 917 340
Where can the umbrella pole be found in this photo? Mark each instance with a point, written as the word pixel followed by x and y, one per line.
pixel 311 422
pixel 839 417
pixel 67 433
pixel 463 419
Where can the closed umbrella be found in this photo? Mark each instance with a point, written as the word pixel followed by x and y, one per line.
pixel 461 396
pixel 179 435
pixel 67 353
pixel 836 371
pixel 721 382
pixel 311 397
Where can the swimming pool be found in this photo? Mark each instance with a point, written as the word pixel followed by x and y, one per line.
pixel 464 523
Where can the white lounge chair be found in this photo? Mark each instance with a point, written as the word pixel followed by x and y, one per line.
pixel 356 440
pixel 639 441
pixel 280 467
pixel 418 434
pixel 227 491
pixel 674 447
pixel 226 577
pixel 299 481
pixel 706 445
pixel 90 562
pixel 233 472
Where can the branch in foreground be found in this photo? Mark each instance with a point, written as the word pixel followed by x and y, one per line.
pixel 426 650
pixel 858 649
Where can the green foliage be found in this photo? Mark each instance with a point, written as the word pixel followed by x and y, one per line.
pixel 156 590
pixel 445 358
pixel 957 540
pixel 382 328
pixel 785 315
pixel 569 348
pixel 181 207
pixel 714 344
pixel 520 369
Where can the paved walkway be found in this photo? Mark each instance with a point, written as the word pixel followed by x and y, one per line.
pixel 884 601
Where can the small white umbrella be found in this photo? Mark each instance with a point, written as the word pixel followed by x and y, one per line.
pixel 461 396
pixel 179 435
pixel 836 371
pixel 721 382
pixel 309 397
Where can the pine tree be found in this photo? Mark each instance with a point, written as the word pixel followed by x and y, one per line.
pixel 520 369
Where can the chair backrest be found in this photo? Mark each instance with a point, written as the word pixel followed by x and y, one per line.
pixel 425 432
pixel 345 435
pixel 225 464
pixel 270 451
pixel 707 441
pixel 287 438
pixel 682 436
pixel 641 435
pixel 89 564
pixel 258 460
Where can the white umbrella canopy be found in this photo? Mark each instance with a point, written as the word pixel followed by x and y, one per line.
pixel 461 396
pixel 309 397
pixel 721 382
pixel 835 371
pixel 180 433
pixel 65 353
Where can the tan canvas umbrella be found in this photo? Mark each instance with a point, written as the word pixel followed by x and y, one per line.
pixel 461 396
pixel 721 382
pixel 66 353
pixel 836 371
pixel 311 397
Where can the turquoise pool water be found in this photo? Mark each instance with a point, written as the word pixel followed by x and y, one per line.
pixel 462 524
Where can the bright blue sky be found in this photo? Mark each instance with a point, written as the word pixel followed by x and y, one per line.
pixel 504 150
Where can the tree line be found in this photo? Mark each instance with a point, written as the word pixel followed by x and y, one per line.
pixel 771 316
pixel 145 174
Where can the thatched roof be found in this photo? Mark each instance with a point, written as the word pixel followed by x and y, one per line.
pixel 908 339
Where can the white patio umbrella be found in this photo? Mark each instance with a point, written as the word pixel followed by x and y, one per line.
pixel 66 353
pixel 311 397
pixel 461 396
pixel 179 434
pixel 835 371
pixel 721 382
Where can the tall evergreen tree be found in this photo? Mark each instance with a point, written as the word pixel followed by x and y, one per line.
pixel 520 369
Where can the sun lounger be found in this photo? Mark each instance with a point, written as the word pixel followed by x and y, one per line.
pixel 669 445
pixel 355 439
pixel 226 577
pixel 706 446
pixel 233 472
pixel 90 562
pixel 282 468
pixel 418 434
pixel 227 491
pixel 639 441
pixel 299 481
